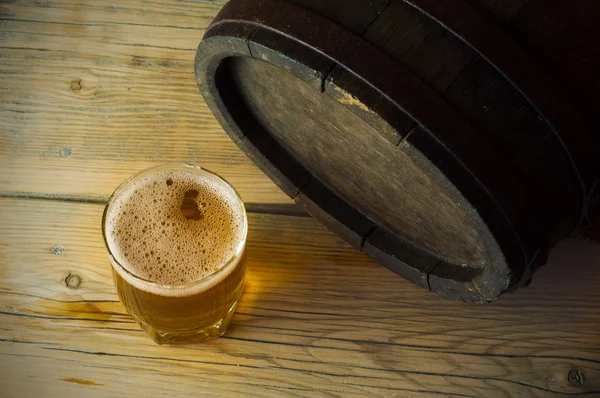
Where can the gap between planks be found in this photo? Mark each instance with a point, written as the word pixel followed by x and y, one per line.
pixel 280 209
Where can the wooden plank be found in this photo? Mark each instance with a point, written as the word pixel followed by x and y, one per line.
pixel 84 12
pixel 501 11
pixel 316 318
pixel 355 15
pixel 423 46
pixel 92 92
pixel 564 40
pixel 483 95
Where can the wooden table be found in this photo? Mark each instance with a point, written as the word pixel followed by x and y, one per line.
pixel 93 91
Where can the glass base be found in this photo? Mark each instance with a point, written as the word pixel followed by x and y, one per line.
pixel 204 333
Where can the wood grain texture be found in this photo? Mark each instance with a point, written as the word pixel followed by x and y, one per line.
pixel 316 319
pixel 349 156
pixel 93 91
pixel 421 44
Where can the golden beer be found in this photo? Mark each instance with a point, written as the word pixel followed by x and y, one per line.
pixel 176 238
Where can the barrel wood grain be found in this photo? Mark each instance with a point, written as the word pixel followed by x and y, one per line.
pixel 316 318
pixel 423 46
pixel 92 92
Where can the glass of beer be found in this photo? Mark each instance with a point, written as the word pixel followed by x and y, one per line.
pixel 176 238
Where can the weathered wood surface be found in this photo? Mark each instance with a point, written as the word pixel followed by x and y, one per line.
pixel 316 318
pixel 375 176
pixel 113 83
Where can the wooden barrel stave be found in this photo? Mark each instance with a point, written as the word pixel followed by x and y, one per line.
pixel 564 39
pixel 421 45
pixel 354 15
pixel 501 12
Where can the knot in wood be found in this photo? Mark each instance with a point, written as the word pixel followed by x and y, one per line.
pixel 76 85
pixel 57 250
pixel 65 152
pixel 72 281
pixel 576 377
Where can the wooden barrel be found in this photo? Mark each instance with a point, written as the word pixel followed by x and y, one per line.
pixel 454 142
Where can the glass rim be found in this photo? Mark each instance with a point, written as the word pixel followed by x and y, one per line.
pixel 184 286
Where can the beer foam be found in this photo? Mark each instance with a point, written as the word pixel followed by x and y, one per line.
pixel 174 227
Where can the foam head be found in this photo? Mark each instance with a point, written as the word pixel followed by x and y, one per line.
pixel 174 226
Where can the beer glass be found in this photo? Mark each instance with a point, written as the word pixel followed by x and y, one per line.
pixel 176 237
